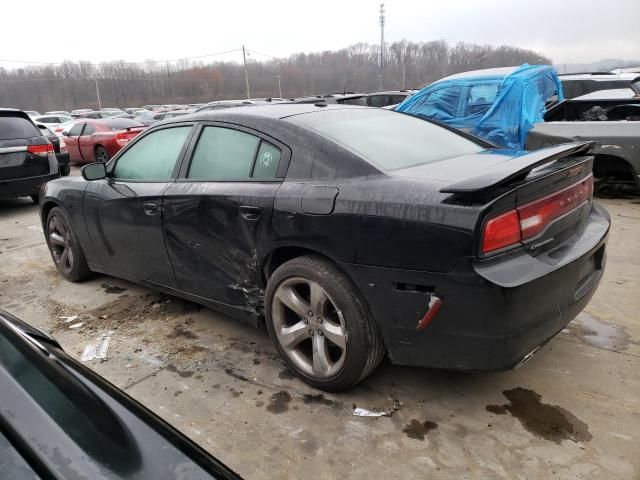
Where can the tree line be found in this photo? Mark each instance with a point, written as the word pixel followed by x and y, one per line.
pixel 356 68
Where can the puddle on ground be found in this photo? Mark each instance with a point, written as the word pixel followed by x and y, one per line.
pixel 286 374
pixel 279 402
pixel 418 430
pixel 112 289
pixel 550 422
pixel 597 333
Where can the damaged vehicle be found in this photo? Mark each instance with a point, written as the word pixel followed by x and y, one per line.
pixel 524 108
pixel 60 420
pixel 613 122
pixel 351 232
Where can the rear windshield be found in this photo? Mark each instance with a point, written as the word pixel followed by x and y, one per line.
pixel 119 124
pixel 17 127
pixel 388 139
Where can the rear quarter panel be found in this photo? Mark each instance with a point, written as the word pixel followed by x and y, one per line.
pixel 384 221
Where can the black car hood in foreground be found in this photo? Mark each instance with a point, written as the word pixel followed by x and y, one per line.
pixel 60 420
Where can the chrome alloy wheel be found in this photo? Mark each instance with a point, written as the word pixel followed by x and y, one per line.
pixel 60 243
pixel 309 327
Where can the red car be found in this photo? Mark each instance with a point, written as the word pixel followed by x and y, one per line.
pixel 99 140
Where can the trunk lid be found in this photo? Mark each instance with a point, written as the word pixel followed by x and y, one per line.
pixel 538 199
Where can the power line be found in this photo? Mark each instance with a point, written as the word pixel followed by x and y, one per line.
pixel 146 62
pixel 263 54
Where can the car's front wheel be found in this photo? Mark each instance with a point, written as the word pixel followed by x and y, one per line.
pixel 320 325
pixel 65 249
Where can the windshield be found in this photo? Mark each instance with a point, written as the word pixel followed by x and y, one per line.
pixel 388 139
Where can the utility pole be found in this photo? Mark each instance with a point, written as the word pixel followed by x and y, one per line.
pixel 381 42
pixel 98 92
pixel 279 89
pixel 246 73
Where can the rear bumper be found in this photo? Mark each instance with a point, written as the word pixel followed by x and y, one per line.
pixel 63 159
pixel 483 324
pixel 24 187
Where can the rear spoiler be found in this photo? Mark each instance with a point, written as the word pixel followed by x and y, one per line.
pixel 509 170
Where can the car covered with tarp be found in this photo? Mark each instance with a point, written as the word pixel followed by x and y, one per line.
pixel 500 104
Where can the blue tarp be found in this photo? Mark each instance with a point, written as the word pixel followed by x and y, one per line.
pixel 499 107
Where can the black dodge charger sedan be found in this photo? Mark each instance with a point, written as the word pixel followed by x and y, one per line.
pixel 351 232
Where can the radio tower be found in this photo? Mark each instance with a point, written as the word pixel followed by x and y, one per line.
pixel 381 43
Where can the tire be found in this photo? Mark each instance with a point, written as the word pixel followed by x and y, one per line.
pixel 65 170
pixel 299 337
pixel 101 154
pixel 64 247
pixel 36 198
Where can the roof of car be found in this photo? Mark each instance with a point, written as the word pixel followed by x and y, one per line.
pixel 614 93
pixel 486 72
pixel 107 121
pixel 274 111
pixel 599 76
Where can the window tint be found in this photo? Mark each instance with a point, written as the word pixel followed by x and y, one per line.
pixel 154 156
pixel 389 139
pixel 354 101
pixel 75 131
pixel 223 154
pixel 89 130
pixel 378 100
pixel 393 99
pixel 267 161
pixel 17 127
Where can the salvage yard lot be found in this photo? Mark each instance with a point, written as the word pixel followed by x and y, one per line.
pixel 573 411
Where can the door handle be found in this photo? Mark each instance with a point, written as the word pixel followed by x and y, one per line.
pixel 150 208
pixel 250 213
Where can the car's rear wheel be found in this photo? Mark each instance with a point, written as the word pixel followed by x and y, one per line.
pixel 65 170
pixel 101 154
pixel 320 325
pixel 65 249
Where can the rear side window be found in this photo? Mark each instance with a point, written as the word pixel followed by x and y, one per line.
pixel 89 130
pixel 223 154
pixel 17 127
pixel 267 161
pixel 154 156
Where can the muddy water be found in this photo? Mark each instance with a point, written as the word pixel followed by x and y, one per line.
pixel 550 422
pixel 598 333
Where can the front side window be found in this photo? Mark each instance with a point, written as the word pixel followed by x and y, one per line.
pixel 154 156
pixel 76 130
pixel 223 154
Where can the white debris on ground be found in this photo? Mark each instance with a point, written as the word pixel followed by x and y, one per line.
pixel 98 350
pixel 76 325
pixel 363 412
pixel 69 319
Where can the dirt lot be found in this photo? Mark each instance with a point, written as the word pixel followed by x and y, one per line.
pixel 572 412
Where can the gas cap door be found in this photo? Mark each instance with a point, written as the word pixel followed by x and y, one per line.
pixel 319 200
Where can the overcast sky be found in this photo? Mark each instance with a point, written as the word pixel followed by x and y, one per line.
pixel 566 30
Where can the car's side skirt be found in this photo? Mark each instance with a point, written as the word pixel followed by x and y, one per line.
pixel 252 316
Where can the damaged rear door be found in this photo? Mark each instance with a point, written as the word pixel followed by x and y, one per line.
pixel 217 216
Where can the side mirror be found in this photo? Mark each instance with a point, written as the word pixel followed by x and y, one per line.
pixel 94 171
pixel 65 133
